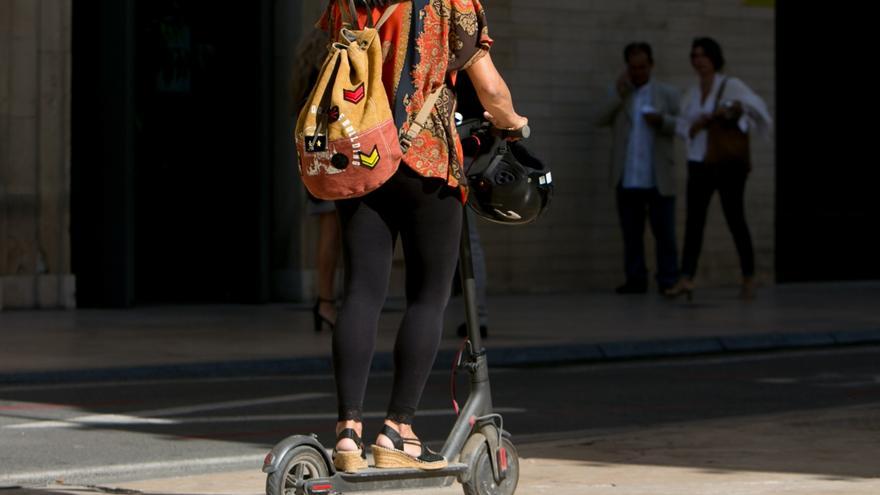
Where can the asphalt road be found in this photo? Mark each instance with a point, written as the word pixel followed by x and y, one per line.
pixel 100 433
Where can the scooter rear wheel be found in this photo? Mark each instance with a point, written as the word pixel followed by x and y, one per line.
pixel 481 480
pixel 299 465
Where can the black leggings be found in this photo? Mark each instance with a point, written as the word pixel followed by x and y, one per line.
pixel 730 181
pixel 426 213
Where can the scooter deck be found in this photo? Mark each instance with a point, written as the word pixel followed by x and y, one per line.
pixel 381 474
pixel 385 479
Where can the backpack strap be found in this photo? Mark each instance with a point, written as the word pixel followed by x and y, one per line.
pixel 322 123
pixel 349 15
pixel 386 15
pixel 421 119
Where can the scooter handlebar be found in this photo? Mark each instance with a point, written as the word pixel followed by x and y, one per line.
pixel 522 133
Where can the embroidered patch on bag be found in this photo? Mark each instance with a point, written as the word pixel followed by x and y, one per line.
pixel 315 144
pixel 333 114
pixel 372 159
pixel 354 95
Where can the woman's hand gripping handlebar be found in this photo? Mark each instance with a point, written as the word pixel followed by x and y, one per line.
pixel 513 134
pixel 519 130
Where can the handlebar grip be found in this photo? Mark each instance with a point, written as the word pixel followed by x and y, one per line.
pixel 522 133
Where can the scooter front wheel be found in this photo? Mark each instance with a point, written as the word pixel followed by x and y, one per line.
pixel 298 466
pixel 481 477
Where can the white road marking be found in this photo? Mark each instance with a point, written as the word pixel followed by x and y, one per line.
pixel 827 380
pixel 679 362
pixel 95 420
pixel 148 383
pixel 181 381
pixel 778 381
pixel 120 420
pixel 150 416
pixel 38 476
pixel 173 411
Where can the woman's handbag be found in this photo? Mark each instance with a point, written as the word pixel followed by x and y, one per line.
pixel 727 144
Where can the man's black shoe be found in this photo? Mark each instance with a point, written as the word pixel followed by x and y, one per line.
pixel 629 288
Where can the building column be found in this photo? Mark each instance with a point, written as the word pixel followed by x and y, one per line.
pixel 35 266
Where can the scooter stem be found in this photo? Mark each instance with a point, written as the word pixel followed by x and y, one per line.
pixel 479 402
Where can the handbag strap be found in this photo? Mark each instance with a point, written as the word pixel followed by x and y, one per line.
pixel 720 94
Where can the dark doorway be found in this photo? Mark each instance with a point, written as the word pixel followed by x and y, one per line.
pixel 827 172
pixel 194 204
pixel 203 150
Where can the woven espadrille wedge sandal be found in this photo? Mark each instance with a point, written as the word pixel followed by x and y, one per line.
pixel 396 458
pixel 350 461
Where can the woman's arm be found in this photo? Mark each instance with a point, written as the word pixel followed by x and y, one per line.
pixel 494 94
pixel 751 106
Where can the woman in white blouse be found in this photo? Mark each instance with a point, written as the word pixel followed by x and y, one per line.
pixel 700 106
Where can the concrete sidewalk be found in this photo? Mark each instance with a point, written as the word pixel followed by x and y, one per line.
pixel 155 342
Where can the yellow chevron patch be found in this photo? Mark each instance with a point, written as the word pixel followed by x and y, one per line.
pixel 372 159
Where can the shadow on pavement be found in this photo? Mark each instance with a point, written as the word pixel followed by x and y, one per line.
pixel 828 444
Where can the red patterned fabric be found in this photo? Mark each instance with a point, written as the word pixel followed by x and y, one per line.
pixel 445 37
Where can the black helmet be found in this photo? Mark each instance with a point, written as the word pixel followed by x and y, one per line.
pixel 507 183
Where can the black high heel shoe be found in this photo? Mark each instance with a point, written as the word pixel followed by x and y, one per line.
pixel 320 319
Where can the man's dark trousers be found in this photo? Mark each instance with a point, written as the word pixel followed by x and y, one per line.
pixel 635 206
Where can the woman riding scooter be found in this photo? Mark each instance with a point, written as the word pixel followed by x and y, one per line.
pixel 422 203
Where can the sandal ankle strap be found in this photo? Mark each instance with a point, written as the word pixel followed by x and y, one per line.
pixel 397 440
pixel 394 436
pixel 352 435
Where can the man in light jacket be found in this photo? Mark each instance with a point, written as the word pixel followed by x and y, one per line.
pixel 642 113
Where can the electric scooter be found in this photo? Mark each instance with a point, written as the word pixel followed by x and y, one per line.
pixel 480 452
